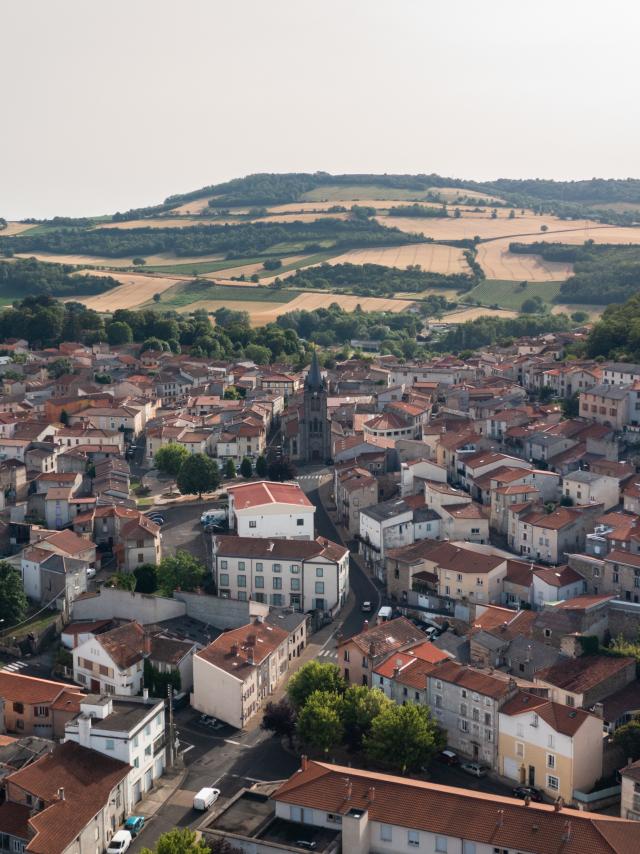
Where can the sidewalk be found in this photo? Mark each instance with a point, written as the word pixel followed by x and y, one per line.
pixel 163 789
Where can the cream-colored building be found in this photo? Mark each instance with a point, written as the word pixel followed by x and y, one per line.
pixel 554 747
pixel 467 573
pixel 630 795
pixel 269 509
pixel 355 489
pixel 587 487
pixel 237 672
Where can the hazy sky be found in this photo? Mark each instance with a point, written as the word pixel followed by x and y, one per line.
pixel 119 103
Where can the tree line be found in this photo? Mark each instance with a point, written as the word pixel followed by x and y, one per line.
pixel 29 276
pixel 492 330
pixel 617 334
pixel 238 240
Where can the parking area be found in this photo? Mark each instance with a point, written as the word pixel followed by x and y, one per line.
pixel 182 529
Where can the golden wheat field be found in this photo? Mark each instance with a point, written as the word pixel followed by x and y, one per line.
pixel 498 263
pixel 300 217
pixel 450 194
pixel 135 290
pixel 432 257
pixel 594 311
pixel 249 270
pixel 79 260
pixel 14 228
pixel 464 314
pixel 469 225
pixel 163 222
pixel 195 206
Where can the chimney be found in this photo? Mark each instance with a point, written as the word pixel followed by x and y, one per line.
pixel 500 818
pixel 234 649
pixel 146 645
pixel 61 793
pixel 348 790
pixel 396 671
pixel 371 794
pixel 250 655
pixel 558 804
pixel 527 800
pixel 304 763
pixel 145 695
pixel 365 625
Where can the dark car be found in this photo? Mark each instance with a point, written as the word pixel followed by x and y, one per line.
pixel 523 792
pixel 448 757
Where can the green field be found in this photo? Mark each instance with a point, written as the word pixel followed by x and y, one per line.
pixel 510 295
pixel 184 293
pixel 298 265
pixel 199 266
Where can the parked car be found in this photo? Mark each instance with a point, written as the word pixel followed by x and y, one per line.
pixel 523 792
pixel 208 720
pixel 475 769
pixel 91 572
pixel 120 842
pixel 216 528
pixel 158 518
pixel 134 824
pixel 306 844
pixel 205 798
pixel 431 633
pixel 449 757
pixel 366 607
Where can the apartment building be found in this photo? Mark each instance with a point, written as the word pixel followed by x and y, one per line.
pixel 587 487
pixel 606 404
pixel 131 730
pixel 359 655
pixel 355 489
pixel 301 574
pixel 546 744
pixel 269 509
pixel 467 573
pixel 237 672
pixel 111 662
pixel 549 537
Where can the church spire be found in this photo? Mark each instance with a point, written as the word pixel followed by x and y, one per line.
pixel 314 377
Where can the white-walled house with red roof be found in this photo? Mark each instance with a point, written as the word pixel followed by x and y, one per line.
pixel 270 509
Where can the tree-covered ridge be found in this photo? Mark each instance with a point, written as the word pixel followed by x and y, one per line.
pixel 374 279
pixel 603 273
pixel 617 334
pixel 26 276
pixel 240 240
pixel 491 330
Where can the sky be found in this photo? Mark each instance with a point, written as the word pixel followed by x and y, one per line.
pixel 111 105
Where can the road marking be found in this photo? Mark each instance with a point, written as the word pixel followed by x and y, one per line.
pixel 187 749
pixel 250 779
pixel 14 666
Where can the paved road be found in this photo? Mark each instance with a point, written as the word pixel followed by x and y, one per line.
pixel 227 760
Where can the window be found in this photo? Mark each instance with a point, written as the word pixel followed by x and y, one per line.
pixel 240 566
pixel 109 744
pixel 438 685
pixel 464 726
pixel 18 708
pixel 438 701
pixel 295 584
pixel 294 568
pixel 332 818
pixel 259 581
pixel 319 586
pixel 346 655
pixel 319 572
pixel 553 782
pixel 386 833
pixel 550 741
pixel 551 760
pixel 463 709
pixel 569 701
pixel 487 719
pixel 140 557
pixel 224 564
pixel 299 522
pixel 476 715
pixel 277 583
pixel 547 633
pixel 276 567
pixel 520 749
pixel 41 712
pixel 468 848
pixel 413 839
pixel 276 599
pixel 441 843
pixel 463 693
pixel 224 579
pixel 253 523
pixel 295 813
pixel 242 581
pixel 136 762
pixel 259 567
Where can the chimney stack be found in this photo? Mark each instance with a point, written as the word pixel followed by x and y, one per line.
pixel 527 800
pixel 304 763
pixel 61 793
pixel 146 644
pixel 371 794
pixel 500 818
pixel 348 789
pixel 558 804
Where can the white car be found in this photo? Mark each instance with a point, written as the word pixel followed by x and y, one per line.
pixel 120 842
pixel 91 572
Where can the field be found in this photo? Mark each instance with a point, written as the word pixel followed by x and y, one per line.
pixel 164 222
pixel 433 257
pixel 594 311
pixel 185 294
pixel 14 228
pixel 510 295
pixel 195 206
pixel 299 217
pixel 498 263
pixel 134 290
pixel 464 314
pixel 450 194
pixel 354 194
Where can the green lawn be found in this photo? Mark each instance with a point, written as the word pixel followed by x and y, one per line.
pixel 184 293
pixel 510 295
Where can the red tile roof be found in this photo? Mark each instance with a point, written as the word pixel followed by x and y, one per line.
pixel 561 718
pixel 580 674
pixel 248 495
pixel 241 650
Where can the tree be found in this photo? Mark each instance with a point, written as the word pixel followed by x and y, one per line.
pixel 403 737
pixel 169 459
pixel 258 354
pixel 138 262
pixel 320 720
pixel 157 297
pixel 544 228
pixel 59 367
pixel 64 417
pixel 124 581
pixel 571 405
pixel 198 474
pixel 261 466
pixel 312 677
pixel 230 468
pixel 533 305
pixel 231 393
pixel 13 601
pixel 360 708
pixel 146 576
pixel 280 718
pixel 119 332
pixel 272 264
pixel 281 469
pixel 580 317
pixel 182 570
pixel 178 841
pixel 627 737
pixel 246 469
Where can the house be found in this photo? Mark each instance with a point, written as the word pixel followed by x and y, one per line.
pixel 35 706
pixel 560 624
pixel 606 404
pixel 301 574
pixel 549 745
pixel 359 655
pixel 406 570
pixel 48 576
pixel 362 812
pixel 581 682
pixel 549 536
pixel 414 474
pixel 621 575
pixel 355 489
pixel 630 794
pixel 131 730
pixel 269 509
pixel 403 676
pixel 237 672
pixel 555 583
pixel 465 572
pixel 111 662
pixel 140 542
pixel 69 801
pixel 587 487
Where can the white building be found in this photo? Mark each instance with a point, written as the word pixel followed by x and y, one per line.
pixel 270 509
pixel 300 574
pixel 112 662
pixel 555 584
pixel 131 730
pixel 587 487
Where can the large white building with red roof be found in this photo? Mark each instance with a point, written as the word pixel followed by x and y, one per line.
pixel 270 509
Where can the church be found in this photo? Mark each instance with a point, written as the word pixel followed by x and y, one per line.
pixel 306 427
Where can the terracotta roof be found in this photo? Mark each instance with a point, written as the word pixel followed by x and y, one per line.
pixel 169 650
pixel 519 572
pixel 124 644
pixel 458 559
pixel 558 576
pixel 472 679
pixel 492 820
pixel 15 688
pixel 67 541
pixel 384 638
pixel 580 674
pixel 14 820
pixel 618 556
pixel 87 777
pixel 561 718
pixel 248 495
pixel 271 549
pixel 241 650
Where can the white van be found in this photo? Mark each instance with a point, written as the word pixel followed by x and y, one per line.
pixel 385 613
pixel 213 515
pixel 205 798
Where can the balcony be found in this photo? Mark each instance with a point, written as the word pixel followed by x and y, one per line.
pixel 159 744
